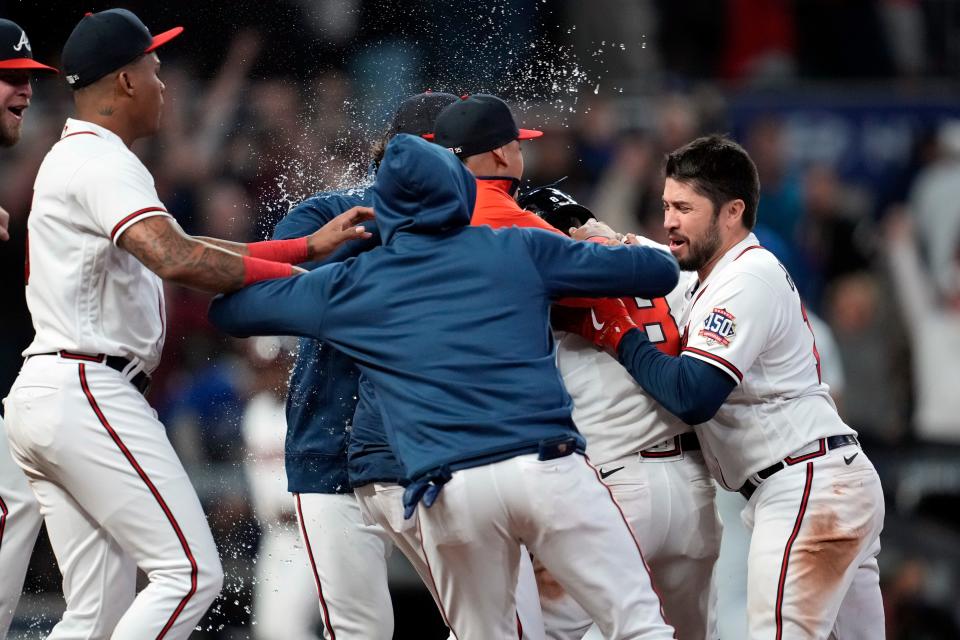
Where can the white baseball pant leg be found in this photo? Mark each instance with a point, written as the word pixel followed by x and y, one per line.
pixel 20 522
pixel 382 504
pixel 114 497
pixel 348 559
pixel 471 539
pixel 284 598
pixel 812 569
pixel 669 503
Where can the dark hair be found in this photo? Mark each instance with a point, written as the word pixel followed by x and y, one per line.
pixel 719 169
pixel 379 147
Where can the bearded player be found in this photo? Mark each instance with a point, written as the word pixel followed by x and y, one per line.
pixel 749 378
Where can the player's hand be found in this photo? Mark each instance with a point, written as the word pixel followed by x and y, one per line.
pixel 343 228
pixel 604 324
pixel 596 231
pixel 4 224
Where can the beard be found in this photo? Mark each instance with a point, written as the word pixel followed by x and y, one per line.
pixel 9 132
pixel 702 250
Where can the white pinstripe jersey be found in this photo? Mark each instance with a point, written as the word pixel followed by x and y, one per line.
pixel 85 293
pixel 747 319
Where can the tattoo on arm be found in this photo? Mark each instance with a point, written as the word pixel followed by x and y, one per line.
pixel 162 246
pixel 239 248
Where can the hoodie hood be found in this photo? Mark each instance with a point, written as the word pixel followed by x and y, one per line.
pixel 421 188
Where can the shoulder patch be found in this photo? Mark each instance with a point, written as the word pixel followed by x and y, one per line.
pixel 720 327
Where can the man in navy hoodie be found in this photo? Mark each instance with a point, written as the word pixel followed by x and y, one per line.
pixel 328 402
pixel 450 325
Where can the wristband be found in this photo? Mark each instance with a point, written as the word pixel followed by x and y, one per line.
pixel 257 269
pixel 289 251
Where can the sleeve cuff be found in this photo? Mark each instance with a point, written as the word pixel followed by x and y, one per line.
pixel 711 358
pixel 128 221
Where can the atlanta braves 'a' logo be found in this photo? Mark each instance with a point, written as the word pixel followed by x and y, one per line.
pixel 23 42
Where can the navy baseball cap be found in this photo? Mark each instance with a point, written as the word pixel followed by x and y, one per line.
pixel 15 50
pixel 477 124
pixel 106 41
pixel 417 114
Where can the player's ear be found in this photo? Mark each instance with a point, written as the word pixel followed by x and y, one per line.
pixel 733 212
pixel 125 85
pixel 500 156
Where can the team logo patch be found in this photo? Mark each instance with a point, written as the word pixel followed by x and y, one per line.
pixel 720 327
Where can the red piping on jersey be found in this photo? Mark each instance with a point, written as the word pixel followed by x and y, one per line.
pixel 808 456
pixel 130 217
pixel 77 133
pixel 781 584
pixel 717 359
pixel 519 627
pixel 436 590
pixel 3 524
pixel 698 296
pixel 633 536
pixel 156 494
pixel 753 246
pixel 677 450
pixel 69 355
pixel 313 565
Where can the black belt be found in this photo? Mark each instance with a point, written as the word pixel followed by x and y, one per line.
pixel 826 444
pixel 684 442
pixel 141 381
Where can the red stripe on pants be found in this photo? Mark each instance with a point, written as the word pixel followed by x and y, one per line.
pixel 156 494
pixel 781 584
pixel 313 565
pixel 3 519
pixel 633 536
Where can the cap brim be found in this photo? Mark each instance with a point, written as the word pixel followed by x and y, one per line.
pixel 529 134
pixel 428 136
pixel 25 63
pixel 163 38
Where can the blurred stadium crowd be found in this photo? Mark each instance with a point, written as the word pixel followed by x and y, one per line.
pixel 850 110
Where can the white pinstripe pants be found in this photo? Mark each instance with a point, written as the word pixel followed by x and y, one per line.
pixel 114 497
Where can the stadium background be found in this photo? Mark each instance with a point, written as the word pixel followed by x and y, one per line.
pixel 850 108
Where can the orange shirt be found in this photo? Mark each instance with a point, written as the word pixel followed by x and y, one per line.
pixel 495 207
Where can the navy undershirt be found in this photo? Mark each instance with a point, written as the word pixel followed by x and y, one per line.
pixel 691 389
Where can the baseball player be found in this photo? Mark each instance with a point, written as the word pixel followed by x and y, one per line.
pixel 449 323
pixel 112 491
pixel 749 377
pixel 20 517
pixel 650 459
pixel 284 607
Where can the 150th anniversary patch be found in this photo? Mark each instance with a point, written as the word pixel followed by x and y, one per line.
pixel 720 327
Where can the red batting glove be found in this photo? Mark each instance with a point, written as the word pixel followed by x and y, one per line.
pixel 604 324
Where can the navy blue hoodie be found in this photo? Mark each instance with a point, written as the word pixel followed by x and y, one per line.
pixel 324 404
pixel 449 322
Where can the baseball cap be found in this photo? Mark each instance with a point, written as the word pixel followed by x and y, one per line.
pixel 417 114
pixel 105 41
pixel 15 50
pixel 476 124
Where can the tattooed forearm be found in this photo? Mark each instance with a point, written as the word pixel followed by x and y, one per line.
pixel 239 248
pixel 162 246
